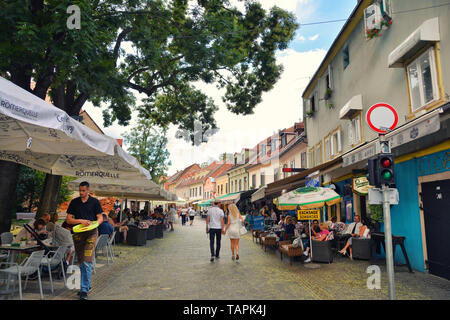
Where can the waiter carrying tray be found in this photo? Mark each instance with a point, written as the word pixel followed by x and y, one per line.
pixel 84 210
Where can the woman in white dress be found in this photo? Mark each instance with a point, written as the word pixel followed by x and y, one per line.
pixel 233 227
pixel 172 216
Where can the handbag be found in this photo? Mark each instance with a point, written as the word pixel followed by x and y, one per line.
pixel 242 230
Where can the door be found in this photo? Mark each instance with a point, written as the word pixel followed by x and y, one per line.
pixel 436 211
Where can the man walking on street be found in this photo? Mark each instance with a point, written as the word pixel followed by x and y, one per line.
pixel 84 210
pixel 215 224
pixel 183 215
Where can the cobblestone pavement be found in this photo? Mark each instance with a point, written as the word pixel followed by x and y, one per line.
pixel 178 267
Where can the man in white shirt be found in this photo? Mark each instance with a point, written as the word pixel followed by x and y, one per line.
pixel 191 215
pixel 215 224
pixel 353 228
pixel 183 216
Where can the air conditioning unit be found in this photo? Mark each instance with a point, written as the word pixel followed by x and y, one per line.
pixel 373 16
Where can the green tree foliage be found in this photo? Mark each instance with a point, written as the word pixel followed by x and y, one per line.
pixel 148 143
pixel 30 185
pixel 171 45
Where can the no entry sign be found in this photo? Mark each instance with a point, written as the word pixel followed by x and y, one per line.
pixel 382 116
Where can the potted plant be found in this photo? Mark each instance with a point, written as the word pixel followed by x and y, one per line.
pixel 23 242
pixel 328 94
pixel 376 215
pixel 330 105
pixel 309 113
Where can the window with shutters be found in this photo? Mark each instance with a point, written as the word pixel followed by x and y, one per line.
pixel 327 148
pixel 275 174
pixel 318 149
pixel 263 178
pixel 354 130
pixel 335 143
pixel 303 159
pixel 254 180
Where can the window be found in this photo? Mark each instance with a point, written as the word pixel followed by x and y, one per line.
pixel 422 81
pixel 275 174
pixel 221 189
pixel 243 158
pixel 273 144
pixel 311 158
pixel 318 154
pixel 284 173
pixel 263 180
pixel 254 180
pixel 226 187
pixel 245 183
pixel 312 103
pixel 303 159
pixel 327 148
pixel 329 78
pixel 335 143
pixel 240 185
pixel 263 149
pixel 283 140
pixel 346 57
pixel 354 130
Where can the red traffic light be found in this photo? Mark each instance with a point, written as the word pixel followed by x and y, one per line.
pixel 386 162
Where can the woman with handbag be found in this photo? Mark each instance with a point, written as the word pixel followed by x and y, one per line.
pixel 234 229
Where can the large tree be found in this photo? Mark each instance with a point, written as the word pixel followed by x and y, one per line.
pixel 148 143
pixel 171 45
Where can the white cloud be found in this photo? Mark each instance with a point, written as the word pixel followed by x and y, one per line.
pixel 300 38
pixel 314 37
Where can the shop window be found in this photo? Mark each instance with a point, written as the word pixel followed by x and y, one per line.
pixel 422 80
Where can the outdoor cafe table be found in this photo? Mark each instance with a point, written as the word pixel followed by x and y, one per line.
pixel 28 249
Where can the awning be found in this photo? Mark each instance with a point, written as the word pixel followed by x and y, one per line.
pixel 230 198
pixel 298 180
pixel 307 198
pixel 259 194
pixel 41 136
pixel 352 106
pixel 426 33
pixel 137 189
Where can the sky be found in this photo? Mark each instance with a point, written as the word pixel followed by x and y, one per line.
pixel 280 108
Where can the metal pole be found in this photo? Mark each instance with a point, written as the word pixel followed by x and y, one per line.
pixel 388 242
pixel 310 240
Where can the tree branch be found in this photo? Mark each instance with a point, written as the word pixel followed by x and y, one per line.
pixel 119 40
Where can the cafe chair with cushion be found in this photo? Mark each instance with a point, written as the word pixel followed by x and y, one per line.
pixel 269 241
pixel 322 251
pixel 286 248
pixel 55 259
pixel 30 266
pixel 361 249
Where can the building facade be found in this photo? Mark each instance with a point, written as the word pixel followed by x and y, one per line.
pixel 394 52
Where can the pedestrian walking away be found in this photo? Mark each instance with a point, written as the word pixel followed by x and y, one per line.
pixel 172 216
pixel 233 228
pixel 191 215
pixel 84 210
pixel 215 224
pixel 183 215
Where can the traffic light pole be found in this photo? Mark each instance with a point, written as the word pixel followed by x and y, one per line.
pixel 385 148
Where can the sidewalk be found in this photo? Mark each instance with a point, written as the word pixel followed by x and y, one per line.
pixel 178 267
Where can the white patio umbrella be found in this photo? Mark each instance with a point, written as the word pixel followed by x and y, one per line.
pixel 142 189
pixel 36 134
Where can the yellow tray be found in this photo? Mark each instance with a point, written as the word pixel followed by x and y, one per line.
pixel 81 228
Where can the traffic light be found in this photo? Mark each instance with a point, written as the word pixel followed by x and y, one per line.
pixel 372 170
pixel 386 175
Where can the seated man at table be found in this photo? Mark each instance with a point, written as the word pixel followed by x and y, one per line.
pixel 61 237
pixel 352 229
pixel 105 227
pixel 38 227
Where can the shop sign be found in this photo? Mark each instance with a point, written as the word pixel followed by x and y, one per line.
pixel 361 185
pixel 313 182
pixel 258 223
pixel 308 215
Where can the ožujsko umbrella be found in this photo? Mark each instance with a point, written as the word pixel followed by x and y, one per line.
pixel 307 198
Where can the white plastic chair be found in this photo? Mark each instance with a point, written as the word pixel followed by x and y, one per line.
pixel 110 245
pixel 52 259
pixel 28 267
pixel 6 238
pixel 101 244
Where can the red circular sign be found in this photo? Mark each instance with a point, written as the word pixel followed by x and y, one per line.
pixel 381 115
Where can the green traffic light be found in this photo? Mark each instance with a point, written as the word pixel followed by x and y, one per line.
pixel 387 175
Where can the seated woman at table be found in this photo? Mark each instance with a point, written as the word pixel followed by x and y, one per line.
pixel 364 233
pixel 282 222
pixel 38 227
pixel 61 237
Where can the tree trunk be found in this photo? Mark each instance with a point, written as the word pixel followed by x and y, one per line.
pixel 8 182
pixel 48 203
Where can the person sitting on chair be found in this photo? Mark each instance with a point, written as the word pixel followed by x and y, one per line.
pixel 105 227
pixel 364 233
pixel 353 228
